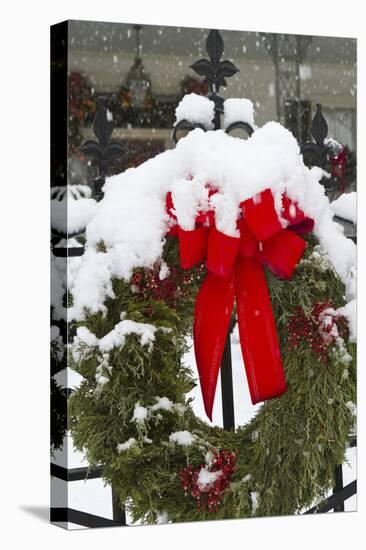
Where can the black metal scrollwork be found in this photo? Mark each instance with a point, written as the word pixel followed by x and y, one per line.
pixel 240 125
pixel 184 124
pixel 103 153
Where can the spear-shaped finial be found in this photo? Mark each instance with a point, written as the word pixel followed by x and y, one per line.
pixel 316 153
pixel 213 69
pixel 319 126
pixel 106 153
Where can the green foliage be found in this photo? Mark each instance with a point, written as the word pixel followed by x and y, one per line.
pixel 58 399
pixel 285 456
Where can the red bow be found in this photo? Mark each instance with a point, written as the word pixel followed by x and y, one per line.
pixel 235 270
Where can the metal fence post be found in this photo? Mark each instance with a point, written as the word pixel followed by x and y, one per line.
pixel 215 72
pixel 338 486
pixel 316 153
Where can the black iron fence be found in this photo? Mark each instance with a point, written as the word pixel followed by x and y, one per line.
pixel 334 502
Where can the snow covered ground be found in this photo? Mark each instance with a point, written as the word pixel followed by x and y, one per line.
pixel 94 497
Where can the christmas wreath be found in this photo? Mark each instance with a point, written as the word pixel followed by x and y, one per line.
pixel 173 244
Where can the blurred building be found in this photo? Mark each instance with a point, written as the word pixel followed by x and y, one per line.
pixel 144 71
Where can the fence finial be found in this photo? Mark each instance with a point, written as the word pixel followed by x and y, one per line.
pixel 102 153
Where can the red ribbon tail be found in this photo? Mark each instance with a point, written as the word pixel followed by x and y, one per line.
pixel 214 305
pixel 257 330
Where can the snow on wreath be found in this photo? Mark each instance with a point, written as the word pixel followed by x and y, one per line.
pixel 132 220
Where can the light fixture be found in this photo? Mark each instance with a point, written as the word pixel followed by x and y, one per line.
pixel 138 82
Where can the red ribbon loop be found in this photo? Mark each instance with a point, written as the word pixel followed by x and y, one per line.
pixel 235 271
pixel 192 246
pixel 221 253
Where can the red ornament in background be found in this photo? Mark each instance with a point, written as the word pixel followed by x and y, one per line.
pixel 235 271
pixel 80 99
pixel 209 496
pixel 339 163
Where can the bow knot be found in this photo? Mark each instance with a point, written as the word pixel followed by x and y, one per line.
pixel 235 271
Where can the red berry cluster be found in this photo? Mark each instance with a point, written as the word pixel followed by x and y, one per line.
pixel 148 284
pixel 209 497
pixel 314 331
